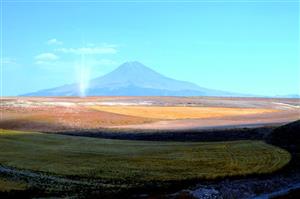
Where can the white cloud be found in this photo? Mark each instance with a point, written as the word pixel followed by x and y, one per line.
pixel 8 61
pixel 89 50
pixel 45 58
pixel 54 42
pixel 62 56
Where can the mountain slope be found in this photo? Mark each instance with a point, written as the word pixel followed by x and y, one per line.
pixel 133 79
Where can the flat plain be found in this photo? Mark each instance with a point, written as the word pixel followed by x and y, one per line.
pixel 35 146
pixel 58 114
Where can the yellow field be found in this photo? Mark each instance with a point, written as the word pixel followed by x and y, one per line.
pixel 137 161
pixel 175 112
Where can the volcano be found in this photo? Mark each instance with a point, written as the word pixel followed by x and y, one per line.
pixel 133 79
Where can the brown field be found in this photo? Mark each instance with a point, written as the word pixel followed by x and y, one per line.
pixel 57 114
pixel 60 118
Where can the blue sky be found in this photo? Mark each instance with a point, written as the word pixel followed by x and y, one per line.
pixel 239 47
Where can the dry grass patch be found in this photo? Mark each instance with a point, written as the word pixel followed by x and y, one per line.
pixel 137 162
pixel 176 112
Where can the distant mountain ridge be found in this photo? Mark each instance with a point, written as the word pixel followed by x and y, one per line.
pixel 288 96
pixel 133 79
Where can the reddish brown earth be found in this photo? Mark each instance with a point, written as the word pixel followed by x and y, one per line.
pixel 59 114
pixel 56 118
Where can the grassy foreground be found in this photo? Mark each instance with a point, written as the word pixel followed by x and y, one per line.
pixel 136 161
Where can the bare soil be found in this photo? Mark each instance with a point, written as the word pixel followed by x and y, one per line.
pixel 61 114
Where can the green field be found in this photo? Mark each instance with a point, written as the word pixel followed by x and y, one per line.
pixel 137 162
